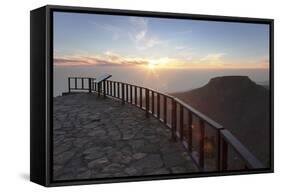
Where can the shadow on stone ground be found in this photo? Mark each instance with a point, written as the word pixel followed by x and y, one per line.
pixel 101 138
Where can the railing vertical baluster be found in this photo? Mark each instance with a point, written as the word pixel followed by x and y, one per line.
pixel 115 92
pixel 75 83
pixel 69 88
pixel 127 93
pixel 140 97
pixel 90 85
pixel 152 102
pixel 224 155
pixel 158 105
pixel 114 89
pixel 174 118
pixel 189 141
pixel 82 81
pixel 202 141
pixel 111 88
pixel 181 122
pixel 147 102
pixel 218 150
pixel 165 109
pixel 104 89
pixel 123 93
pixel 131 94
pixel 136 95
pixel 107 87
pixel 118 90
pixel 98 87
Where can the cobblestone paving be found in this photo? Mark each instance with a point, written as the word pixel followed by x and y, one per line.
pixel 101 138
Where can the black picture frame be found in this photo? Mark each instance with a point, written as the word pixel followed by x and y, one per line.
pixel 41 92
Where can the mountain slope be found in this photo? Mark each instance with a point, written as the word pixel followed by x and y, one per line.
pixel 240 105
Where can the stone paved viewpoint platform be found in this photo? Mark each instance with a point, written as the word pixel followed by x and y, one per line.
pixel 95 137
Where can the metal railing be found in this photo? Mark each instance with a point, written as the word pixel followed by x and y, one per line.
pixel 187 124
pixel 83 80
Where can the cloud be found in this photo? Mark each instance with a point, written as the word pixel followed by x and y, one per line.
pixel 106 59
pixel 209 61
pixel 139 34
pixel 214 57
pixel 115 30
pixel 264 62
pixel 65 60
pixel 180 48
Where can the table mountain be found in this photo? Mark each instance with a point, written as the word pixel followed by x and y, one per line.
pixel 240 105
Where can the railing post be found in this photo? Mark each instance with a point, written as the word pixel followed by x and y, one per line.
pixel 75 83
pixel 165 110
pixel 224 155
pixel 118 90
pixel 131 94
pixel 123 93
pixel 107 87
pixel 218 150
pixel 147 102
pixel 181 122
pixel 152 102
pixel 127 92
pixel 174 117
pixel 104 89
pixel 69 89
pixel 114 89
pixel 90 85
pixel 176 120
pixel 140 97
pixel 189 141
pixel 136 95
pixel 110 84
pixel 82 82
pixel 158 105
pixel 99 88
pixel 202 141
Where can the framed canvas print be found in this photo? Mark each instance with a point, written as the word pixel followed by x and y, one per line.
pixel 120 95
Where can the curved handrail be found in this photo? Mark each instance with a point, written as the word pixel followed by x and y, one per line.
pixel 199 114
pixel 250 159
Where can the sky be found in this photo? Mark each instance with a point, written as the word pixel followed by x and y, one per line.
pixel 82 39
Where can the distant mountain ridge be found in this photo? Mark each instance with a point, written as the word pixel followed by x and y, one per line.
pixel 240 105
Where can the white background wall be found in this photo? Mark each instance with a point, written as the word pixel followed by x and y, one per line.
pixel 14 95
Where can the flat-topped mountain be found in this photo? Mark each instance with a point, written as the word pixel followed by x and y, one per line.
pixel 240 105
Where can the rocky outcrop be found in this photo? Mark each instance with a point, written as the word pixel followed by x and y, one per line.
pixel 241 106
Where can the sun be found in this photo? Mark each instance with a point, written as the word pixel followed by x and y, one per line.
pixel 151 65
